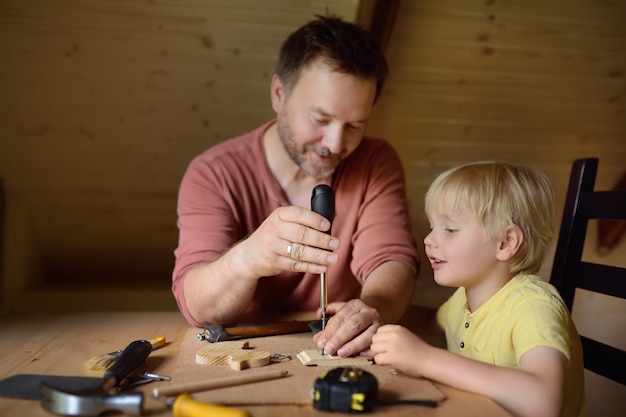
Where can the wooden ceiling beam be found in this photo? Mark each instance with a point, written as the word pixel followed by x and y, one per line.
pixel 378 17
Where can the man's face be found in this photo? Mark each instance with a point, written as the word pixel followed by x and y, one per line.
pixel 322 119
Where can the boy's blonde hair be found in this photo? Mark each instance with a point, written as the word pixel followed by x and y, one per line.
pixel 501 194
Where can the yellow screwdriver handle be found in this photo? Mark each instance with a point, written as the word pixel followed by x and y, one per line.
pixel 186 406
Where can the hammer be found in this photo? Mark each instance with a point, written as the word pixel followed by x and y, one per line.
pixel 97 400
pixel 218 333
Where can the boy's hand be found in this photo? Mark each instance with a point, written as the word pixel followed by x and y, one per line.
pixel 398 347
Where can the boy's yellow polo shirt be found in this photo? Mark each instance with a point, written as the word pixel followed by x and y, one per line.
pixel 526 313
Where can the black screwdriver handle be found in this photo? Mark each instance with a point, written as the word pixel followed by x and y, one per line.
pixel 133 356
pixel 323 202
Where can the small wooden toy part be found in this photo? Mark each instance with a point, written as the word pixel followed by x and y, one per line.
pixel 315 358
pixel 237 354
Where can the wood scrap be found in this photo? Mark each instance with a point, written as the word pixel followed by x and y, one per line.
pixel 237 354
pixel 315 358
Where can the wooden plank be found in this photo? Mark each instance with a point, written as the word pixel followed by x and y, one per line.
pixel 237 354
pixel 315 358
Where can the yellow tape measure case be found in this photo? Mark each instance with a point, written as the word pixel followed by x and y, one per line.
pixel 348 390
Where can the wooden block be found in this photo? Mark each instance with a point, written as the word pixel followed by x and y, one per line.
pixel 237 354
pixel 315 358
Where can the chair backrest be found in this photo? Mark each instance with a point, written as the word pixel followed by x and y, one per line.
pixel 569 271
pixel 2 229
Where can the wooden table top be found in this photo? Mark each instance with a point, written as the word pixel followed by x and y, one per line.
pixel 60 344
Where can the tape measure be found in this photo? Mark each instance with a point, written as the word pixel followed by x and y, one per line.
pixel 348 390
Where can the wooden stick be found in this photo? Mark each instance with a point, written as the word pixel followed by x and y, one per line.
pixel 315 358
pixel 218 383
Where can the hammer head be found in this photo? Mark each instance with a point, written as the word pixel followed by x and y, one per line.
pixel 90 402
pixel 215 333
pixel 97 400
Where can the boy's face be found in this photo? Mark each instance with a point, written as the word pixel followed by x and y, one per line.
pixel 460 252
pixel 322 119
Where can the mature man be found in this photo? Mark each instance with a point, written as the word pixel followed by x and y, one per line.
pixel 249 241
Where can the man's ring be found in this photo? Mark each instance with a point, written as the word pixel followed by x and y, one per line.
pixel 289 248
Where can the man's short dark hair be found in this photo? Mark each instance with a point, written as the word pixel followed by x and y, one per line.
pixel 345 46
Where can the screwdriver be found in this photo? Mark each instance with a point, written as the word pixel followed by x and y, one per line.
pixel 323 202
pixel 185 406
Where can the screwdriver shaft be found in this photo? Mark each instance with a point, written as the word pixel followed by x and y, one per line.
pixel 323 299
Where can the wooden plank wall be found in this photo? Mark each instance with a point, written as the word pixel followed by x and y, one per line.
pixel 102 106
pixel 541 82
pixel 104 103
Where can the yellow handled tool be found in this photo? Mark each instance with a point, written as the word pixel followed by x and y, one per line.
pixel 185 406
pixel 104 362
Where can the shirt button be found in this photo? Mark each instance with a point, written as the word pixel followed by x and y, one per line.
pixel 462 345
pixel 466 325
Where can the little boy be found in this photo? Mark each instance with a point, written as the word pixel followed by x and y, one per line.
pixel 509 334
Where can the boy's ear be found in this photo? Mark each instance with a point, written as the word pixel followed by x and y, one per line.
pixel 511 242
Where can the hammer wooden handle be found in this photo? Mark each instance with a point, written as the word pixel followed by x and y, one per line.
pixel 270 329
pixel 228 381
pixel 217 333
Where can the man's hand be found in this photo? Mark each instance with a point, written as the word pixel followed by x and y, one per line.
pixel 290 239
pixel 350 329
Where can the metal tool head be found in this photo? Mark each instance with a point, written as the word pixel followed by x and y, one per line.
pixel 92 402
pixel 215 333
pixel 317 326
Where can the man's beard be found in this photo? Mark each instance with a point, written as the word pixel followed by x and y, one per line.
pixel 320 169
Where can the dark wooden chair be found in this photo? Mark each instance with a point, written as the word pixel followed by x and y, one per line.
pixel 570 272
pixel 2 228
